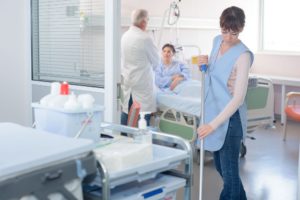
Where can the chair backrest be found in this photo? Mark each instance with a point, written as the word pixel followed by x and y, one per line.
pixel 133 114
pixel 293 112
pixel 292 105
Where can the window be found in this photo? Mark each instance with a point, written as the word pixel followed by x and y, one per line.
pixel 68 41
pixel 280 25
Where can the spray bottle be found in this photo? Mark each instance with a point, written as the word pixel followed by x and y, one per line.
pixel 144 136
pixel 142 122
pixel 72 103
pixel 55 86
pixel 59 100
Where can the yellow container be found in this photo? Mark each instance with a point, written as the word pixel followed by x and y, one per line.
pixel 195 60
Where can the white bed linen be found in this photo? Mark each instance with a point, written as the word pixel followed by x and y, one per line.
pixel 186 98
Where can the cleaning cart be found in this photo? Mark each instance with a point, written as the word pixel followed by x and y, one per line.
pixel 37 165
pixel 157 179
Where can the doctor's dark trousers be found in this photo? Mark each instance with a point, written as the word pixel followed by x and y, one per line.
pixel 227 161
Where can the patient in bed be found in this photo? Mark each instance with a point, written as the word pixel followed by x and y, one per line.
pixel 170 72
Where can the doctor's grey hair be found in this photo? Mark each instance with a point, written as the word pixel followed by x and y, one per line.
pixel 138 15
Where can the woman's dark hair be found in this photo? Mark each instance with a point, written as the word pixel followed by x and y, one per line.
pixel 170 46
pixel 232 18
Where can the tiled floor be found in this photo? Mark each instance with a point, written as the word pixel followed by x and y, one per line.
pixel 269 170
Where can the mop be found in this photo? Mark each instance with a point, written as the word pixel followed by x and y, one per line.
pixel 203 69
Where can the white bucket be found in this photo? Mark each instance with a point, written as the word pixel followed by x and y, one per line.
pixel 69 123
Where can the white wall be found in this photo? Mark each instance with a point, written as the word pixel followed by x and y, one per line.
pixel 15 61
pixel 205 15
pixel 199 21
pixel 277 64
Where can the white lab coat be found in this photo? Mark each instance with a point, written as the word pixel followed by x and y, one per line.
pixel 139 57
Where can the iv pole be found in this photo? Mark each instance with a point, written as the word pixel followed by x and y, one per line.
pixel 203 69
pixel 173 16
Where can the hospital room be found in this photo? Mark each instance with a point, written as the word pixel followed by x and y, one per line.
pixel 149 100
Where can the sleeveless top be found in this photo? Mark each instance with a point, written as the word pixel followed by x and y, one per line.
pixel 217 94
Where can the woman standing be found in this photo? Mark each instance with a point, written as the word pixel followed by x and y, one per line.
pixel 225 110
pixel 169 73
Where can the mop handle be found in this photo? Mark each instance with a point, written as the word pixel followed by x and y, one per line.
pixel 203 69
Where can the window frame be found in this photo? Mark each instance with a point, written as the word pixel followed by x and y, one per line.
pixel 261 43
pixel 80 80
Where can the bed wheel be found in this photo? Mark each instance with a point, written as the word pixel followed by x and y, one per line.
pixel 243 150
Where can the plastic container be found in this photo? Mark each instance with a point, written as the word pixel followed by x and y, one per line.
pixel 164 159
pixel 121 155
pixel 163 187
pixel 72 103
pixel 69 123
pixel 58 101
pixel 86 100
pixel 55 90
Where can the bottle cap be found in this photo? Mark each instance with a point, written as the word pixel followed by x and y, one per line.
pixel 64 88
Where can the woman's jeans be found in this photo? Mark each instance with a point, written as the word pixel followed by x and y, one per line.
pixel 227 161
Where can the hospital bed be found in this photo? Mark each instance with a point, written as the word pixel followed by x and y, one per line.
pixel 260 103
pixel 179 111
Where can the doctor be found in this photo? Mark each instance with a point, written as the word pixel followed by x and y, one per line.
pixel 139 56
